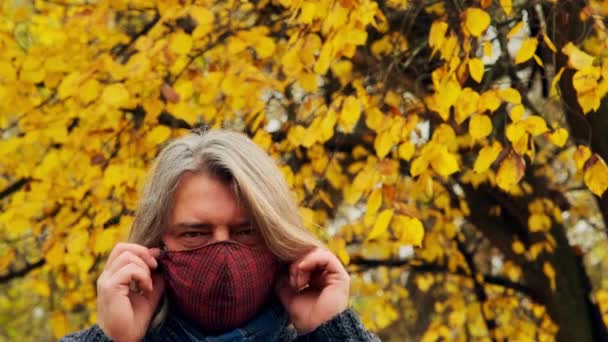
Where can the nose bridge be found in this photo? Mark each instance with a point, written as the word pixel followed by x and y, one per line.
pixel 221 232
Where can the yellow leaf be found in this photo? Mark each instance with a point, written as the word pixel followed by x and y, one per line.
pixel 115 95
pixel 180 43
pixel 466 104
pixel 374 118
pixel 535 125
pixel 338 246
pixel 158 135
pixel 236 45
pixel 418 166
pixel 549 43
pixel 487 155
pixel 476 69
pixel 89 90
pixel 549 271
pixel 105 240
pixel 553 91
pixel 510 95
pixel 77 241
pixel 69 85
pixel 351 194
pixel 307 12
pixel 55 255
pixel 538 61
pixel 518 247
pixel 437 34
pixel 510 172
pixel 342 69
pixel 577 59
pixel 382 46
pixel 6 259
pixel 559 137
pixel 392 98
pixel 585 83
pixel 264 47
pixel 507 6
pixel 381 224
pixel 581 155
pixel 406 150
pixel 489 100
pixel 59 324
pixel 517 112
pixel 526 50
pixel 7 71
pixel 383 143
pixel 539 223
pixel 596 177
pixel 308 82
pixel 325 58
pixel 409 230
pixel 480 126
pixel 476 21
pixel 351 110
pixel 424 283
pixel 327 126
pixel 374 202
pixel 589 102
pixel 515 131
pixel 202 15
pixel 445 163
pixel 457 318
pixel 515 29
pixel 487 49
pixel 41 287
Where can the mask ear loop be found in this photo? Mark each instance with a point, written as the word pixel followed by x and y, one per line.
pixel 163 252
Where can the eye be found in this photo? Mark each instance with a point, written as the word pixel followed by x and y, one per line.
pixel 245 231
pixel 194 234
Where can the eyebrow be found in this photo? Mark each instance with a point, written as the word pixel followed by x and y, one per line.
pixel 207 225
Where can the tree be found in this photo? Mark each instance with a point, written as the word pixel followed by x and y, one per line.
pixel 451 153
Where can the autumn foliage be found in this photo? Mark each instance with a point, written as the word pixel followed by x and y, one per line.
pixel 451 153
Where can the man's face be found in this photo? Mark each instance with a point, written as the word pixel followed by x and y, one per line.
pixel 206 210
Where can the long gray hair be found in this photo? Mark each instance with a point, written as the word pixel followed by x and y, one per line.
pixel 256 180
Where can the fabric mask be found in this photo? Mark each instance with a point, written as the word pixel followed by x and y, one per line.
pixel 219 286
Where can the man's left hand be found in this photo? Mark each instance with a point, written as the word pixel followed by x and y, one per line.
pixel 315 290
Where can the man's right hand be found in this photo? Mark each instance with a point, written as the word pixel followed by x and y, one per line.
pixel 124 314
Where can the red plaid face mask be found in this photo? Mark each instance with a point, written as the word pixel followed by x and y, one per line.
pixel 219 286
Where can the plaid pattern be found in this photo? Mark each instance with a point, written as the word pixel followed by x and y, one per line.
pixel 220 286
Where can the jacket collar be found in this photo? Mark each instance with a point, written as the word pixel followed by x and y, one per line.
pixel 267 326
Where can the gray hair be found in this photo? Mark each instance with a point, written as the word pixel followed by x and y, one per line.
pixel 256 179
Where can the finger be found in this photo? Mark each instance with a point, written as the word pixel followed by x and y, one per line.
pixel 133 272
pixel 158 287
pixel 322 260
pixel 284 291
pixel 294 270
pixel 124 259
pixel 321 263
pixel 154 252
pixel 141 251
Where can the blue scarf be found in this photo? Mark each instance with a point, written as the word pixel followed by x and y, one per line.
pixel 267 326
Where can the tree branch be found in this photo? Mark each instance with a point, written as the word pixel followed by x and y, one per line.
pixel 431 268
pixel 22 272
pixel 14 187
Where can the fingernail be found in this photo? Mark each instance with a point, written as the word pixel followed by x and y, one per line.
pixel 303 288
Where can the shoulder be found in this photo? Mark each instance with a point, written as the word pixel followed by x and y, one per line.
pixel 345 326
pixel 93 334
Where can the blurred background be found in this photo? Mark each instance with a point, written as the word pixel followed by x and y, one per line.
pixel 451 153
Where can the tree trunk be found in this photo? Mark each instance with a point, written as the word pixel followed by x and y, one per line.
pixel 585 129
pixel 568 305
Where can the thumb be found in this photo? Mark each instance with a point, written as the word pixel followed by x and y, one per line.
pixel 284 291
